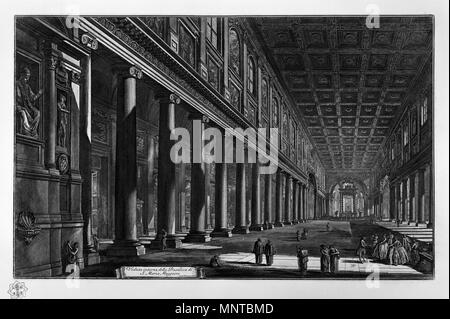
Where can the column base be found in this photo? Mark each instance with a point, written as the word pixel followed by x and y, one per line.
pixel 256 228
pixel 221 232
pixel 125 249
pixel 287 223
pixel 268 226
pixel 197 238
pixel 240 230
pixel 146 240
pixel 278 224
pixel 295 222
pixel 91 258
pixel 172 241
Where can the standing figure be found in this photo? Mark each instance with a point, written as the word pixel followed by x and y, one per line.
pixel 62 122
pixel 25 104
pixel 163 239
pixel 302 260
pixel 324 259
pixel 415 253
pixel 304 235
pixel 258 250
pixel 374 243
pixel 328 227
pixel 406 242
pixel 381 251
pixel 361 250
pixel 398 254
pixel 334 259
pixel 298 235
pixel 269 251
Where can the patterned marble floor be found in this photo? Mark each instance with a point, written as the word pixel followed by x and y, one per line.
pixel 346 264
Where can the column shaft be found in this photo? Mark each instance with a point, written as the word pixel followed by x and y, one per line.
pixel 287 201
pixel 167 173
pixel 256 224
pixel 268 220
pixel 279 200
pixel 221 205
pixel 197 231
pixel 125 242
pixel 241 214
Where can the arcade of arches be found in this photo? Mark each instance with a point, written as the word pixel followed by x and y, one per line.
pixel 96 105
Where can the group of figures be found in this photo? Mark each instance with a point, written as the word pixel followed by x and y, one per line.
pixel 267 249
pixel 390 250
pixel 329 259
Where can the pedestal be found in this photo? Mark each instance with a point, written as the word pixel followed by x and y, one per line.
pixel 240 230
pixel 221 233
pixel 256 228
pixel 197 238
pixel 91 258
pixel 128 249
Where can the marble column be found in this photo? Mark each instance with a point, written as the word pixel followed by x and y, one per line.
pixel 398 197
pixel 421 213
pixel 411 205
pixel 241 214
pixel 268 220
pixel 295 207
pixel 181 193
pixel 392 210
pixel 315 204
pixel 126 242
pixel 300 203
pixel 52 114
pixel 416 198
pixel 404 201
pixel 221 205
pixel 166 174
pixel 90 256
pixel 287 201
pixel 430 198
pixel 197 232
pixel 149 225
pixel 279 200
pixel 307 199
pixel 305 203
pixel 208 225
pixel 256 223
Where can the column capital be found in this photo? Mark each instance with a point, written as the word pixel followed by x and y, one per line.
pixel 198 116
pixel 128 71
pixel 169 98
pixel 89 41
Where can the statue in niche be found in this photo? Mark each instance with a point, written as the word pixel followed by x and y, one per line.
pixel 29 114
pixel 62 124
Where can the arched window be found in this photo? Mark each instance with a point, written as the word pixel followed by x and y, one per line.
pixel 235 51
pixel 251 76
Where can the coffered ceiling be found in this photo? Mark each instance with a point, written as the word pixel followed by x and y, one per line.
pixel 349 82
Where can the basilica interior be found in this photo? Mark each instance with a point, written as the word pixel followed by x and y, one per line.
pixel 98 97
